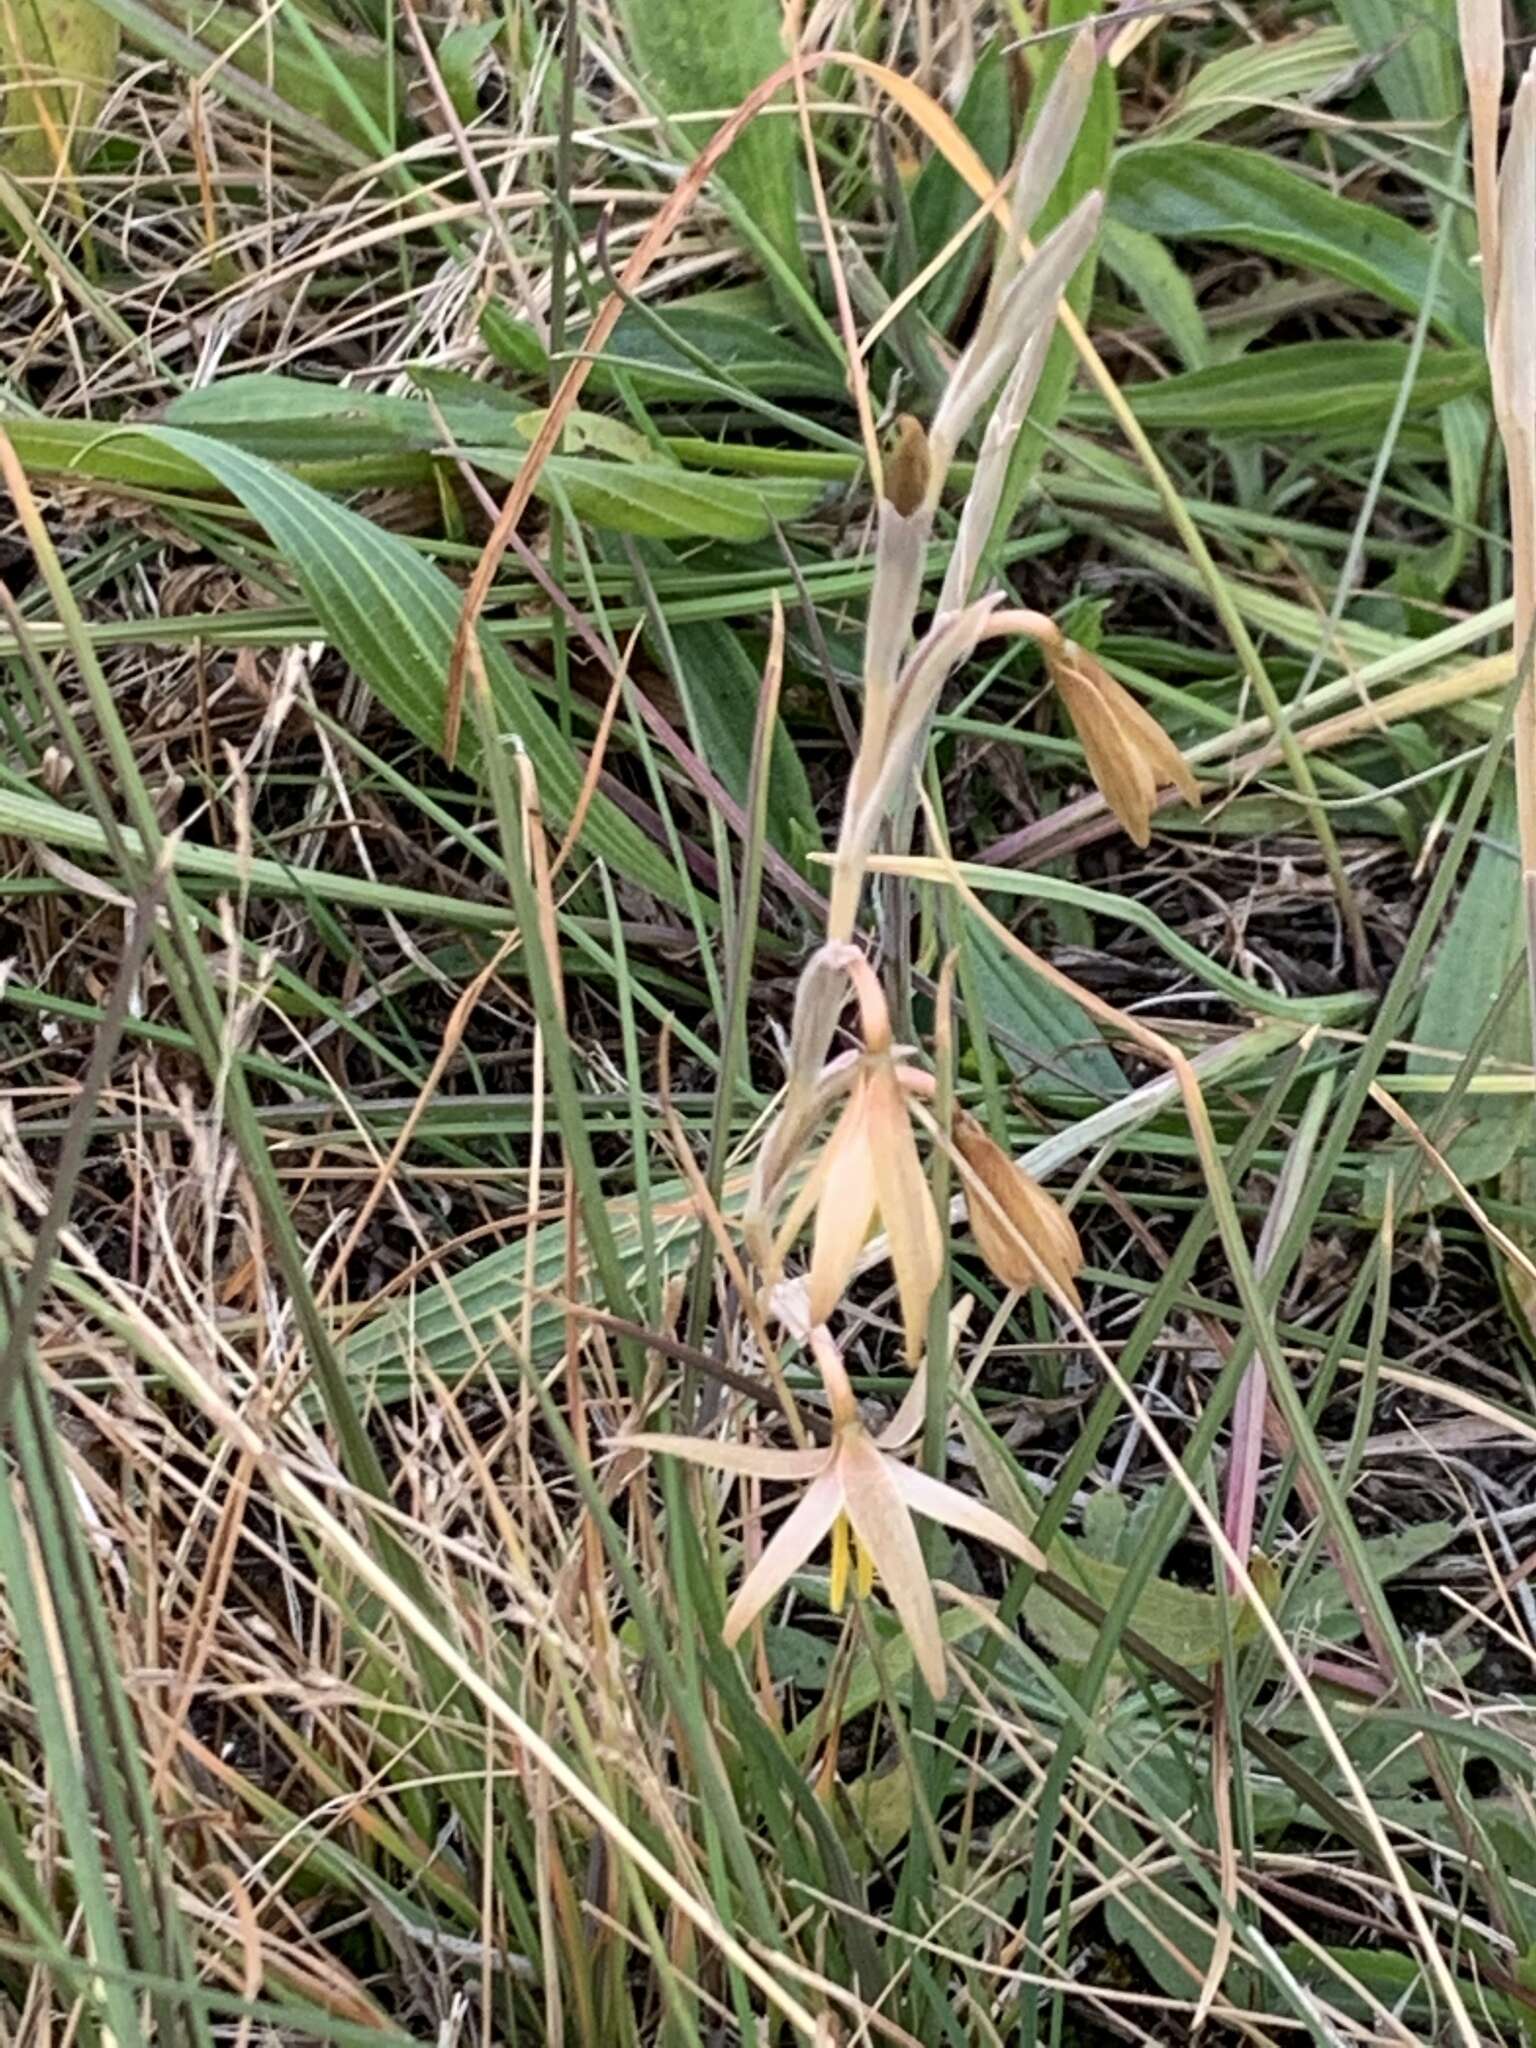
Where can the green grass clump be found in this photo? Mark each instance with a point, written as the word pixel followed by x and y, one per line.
pixel 470 519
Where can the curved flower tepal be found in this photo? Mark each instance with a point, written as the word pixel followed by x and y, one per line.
pixel 855 1482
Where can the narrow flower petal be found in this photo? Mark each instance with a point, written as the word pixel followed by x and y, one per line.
pixel 1166 762
pixel 957 1510
pixel 885 1532
pixel 842 1402
pixel 908 1419
pixel 806 1196
pixel 792 1543
pixel 906 1206
pixel 1129 755
pixel 845 1206
pixel 754 1459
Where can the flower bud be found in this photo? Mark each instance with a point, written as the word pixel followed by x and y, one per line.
pixel 906 466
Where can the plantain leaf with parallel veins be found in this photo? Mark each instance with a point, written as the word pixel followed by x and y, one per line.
pixel 289 419
pixel 1205 191
pixel 56 62
pixel 675 350
pixel 1304 387
pixel 1258 76
pixel 1043 1035
pixel 694 55
pixel 660 501
pixel 1412 54
pixel 393 616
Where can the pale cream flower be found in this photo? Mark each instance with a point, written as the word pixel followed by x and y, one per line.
pixel 855 1483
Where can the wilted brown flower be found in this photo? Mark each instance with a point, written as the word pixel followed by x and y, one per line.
pixel 1023 1233
pixel 1129 755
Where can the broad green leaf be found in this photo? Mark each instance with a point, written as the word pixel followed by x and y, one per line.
pixel 1183 1622
pixel 722 684
pixel 698 55
pixel 262 60
pixel 942 202
pixel 660 501
pixel 1046 1038
pixel 512 342
pixel 294 419
pixel 1324 1607
pixel 1304 387
pixel 1415 67
pixel 708 338
pixel 458 54
pixel 1398 1981
pixel 110 455
pixel 1163 1920
pixel 594 430
pixel 1106 1518
pixel 56 62
pixel 864 1689
pixel 286 419
pixel 1204 191
pixel 1147 271
pixel 796 1657
pixel 393 616
pixel 1187 1625
pixel 88 452
pixel 1482 942
pixel 290 419
pixel 880 1804
pixel 449 1325
pixel 1258 76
